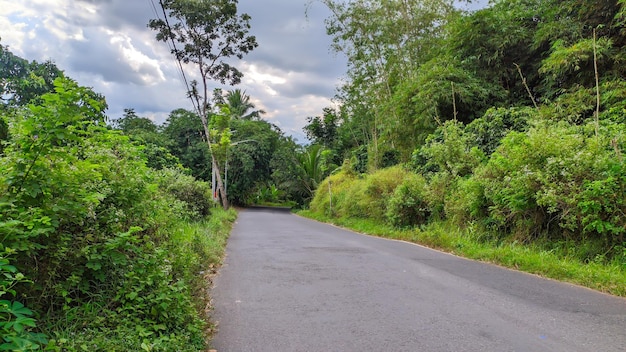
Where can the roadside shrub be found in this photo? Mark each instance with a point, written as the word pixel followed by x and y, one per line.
pixel 369 195
pixel 195 195
pixel 90 227
pixel 437 190
pixel 450 151
pixel 560 180
pixel 17 325
pixel 338 194
pixel 407 205
pixel 466 202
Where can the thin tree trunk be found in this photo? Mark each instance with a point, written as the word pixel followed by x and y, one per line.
pixel 218 174
pixel 205 125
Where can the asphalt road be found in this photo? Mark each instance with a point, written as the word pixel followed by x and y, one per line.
pixel 290 284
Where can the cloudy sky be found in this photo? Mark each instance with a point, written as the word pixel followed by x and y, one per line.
pixel 105 44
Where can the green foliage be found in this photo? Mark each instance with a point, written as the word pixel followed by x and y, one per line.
pixel 359 197
pixel 465 202
pixel 517 140
pixel 385 43
pixel 267 195
pixel 322 130
pixel 239 105
pixel 285 171
pixel 575 63
pixel 4 133
pixel 407 206
pixel 22 81
pixel 92 228
pixel 16 323
pixel 195 196
pixel 250 158
pixel 490 41
pixel 449 150
pixel 558 175
pixel 184 131
pixel 487 131
pixel 145 133
pixel 311 169
pixel 370 195
pixel 209 32
pixel 333 196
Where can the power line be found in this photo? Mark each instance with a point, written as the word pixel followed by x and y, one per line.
pixel 172 46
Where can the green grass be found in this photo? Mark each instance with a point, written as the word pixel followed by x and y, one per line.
pixel 608 277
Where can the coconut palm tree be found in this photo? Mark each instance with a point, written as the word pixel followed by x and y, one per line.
pixel 240 106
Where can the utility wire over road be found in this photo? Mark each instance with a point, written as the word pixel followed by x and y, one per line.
pixel 290 284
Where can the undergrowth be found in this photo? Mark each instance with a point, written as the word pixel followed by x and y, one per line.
pixel 164 307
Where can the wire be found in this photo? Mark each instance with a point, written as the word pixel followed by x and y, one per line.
pixel 172 46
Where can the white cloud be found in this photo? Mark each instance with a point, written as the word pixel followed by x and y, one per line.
pixel 147 68
pixel 105 44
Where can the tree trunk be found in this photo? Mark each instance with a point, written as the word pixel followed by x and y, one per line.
pixel 218 175
pixel 220 184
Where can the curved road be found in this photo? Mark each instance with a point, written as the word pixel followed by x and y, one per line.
pixel 290 284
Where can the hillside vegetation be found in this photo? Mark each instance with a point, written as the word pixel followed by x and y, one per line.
pixel 506 129
pixel 98 251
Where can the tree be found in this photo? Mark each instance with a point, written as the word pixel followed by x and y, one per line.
pixel 143 131
pixel 313 167
pixel 323 129
pixel 253 146
pixel 240 105
pixel 210 32
pixel 22 81
pixel 130 122
pixel 187 142
pixel 385 42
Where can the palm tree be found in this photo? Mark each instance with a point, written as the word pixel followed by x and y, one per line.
pixel 311 169
pixel 239 104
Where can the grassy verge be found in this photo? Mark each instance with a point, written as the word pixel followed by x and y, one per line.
pixel 470 243
pixel 163 307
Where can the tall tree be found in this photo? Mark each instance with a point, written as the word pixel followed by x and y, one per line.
pixel 208 33
pixel 384 42
pixel 22 81
pixel 323 129
pixel 184 131
pixel 241 107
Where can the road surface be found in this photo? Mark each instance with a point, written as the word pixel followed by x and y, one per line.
pixel 291 284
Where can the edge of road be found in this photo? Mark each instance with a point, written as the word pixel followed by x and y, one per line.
pixel 459 256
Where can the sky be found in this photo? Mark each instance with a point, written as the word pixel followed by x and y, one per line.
pixel 106 45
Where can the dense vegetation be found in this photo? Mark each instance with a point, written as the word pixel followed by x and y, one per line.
pixel 104 234
pixel 508 122
pixel 490 133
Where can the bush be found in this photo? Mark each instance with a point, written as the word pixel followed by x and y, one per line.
pixel 334 200
pixel 91 226
pixel 16 322
pixel 368 197
pixel 363 197
pixel 195 195
pixel 466 202
pixel 407 206
pixel 450 151
pixel 487 131
pixel 560 180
